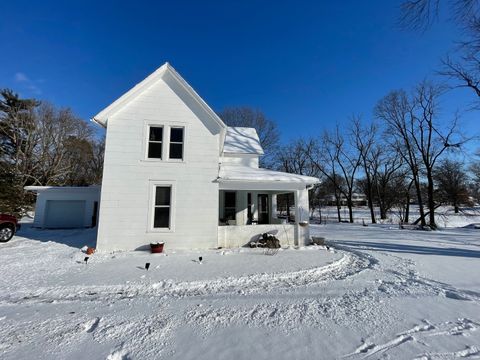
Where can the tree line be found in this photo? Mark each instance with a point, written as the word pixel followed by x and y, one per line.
pixel 41 144
pixel 405 154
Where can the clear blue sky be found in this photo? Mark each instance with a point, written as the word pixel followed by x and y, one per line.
pixel 306 64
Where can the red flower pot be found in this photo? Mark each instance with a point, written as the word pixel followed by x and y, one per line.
pixel 156 247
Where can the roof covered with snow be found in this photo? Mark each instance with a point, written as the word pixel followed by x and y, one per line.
pixel 242 140
pixel 92 188
pixel 251 174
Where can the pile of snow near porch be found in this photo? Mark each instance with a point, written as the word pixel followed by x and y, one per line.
pixel 381 292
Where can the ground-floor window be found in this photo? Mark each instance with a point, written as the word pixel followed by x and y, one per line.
pixel 162 207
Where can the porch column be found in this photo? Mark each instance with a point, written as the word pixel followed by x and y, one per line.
pixel 302 233
pixel 273 207
pixel 241 216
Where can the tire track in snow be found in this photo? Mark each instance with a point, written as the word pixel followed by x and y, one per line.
pixel 407 281
pixel 472 352
pixel 350 264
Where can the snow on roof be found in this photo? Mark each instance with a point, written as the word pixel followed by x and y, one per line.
pixel 251 174
pixel 242 140
pixel 91 188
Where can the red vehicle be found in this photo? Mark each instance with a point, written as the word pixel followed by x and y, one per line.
pixel 8 226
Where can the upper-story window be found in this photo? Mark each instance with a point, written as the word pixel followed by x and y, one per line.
pixel 155 142
pixel 176 143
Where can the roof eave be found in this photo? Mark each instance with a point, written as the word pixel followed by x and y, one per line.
pixel 98 122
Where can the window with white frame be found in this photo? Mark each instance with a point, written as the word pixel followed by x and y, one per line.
pixel 162 207
pixel 176 143
pixel 155 142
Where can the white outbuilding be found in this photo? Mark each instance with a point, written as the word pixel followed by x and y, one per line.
pixel 66 207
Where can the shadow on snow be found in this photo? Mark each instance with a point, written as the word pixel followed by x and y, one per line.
pixel 412 249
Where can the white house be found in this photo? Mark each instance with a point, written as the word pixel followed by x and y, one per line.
pixel 174 172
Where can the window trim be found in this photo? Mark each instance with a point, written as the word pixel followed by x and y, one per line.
pixel 151 208
pixel 165 141
pixel 155 141
pixel 176 142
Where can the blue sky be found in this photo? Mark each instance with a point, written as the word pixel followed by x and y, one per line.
pixel 305 64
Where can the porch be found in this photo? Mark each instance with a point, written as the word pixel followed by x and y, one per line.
pixel 248 206
pixel 241 235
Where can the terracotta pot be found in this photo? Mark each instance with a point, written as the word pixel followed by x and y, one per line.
pixel 157 247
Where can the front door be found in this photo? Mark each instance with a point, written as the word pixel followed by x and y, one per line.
pixel 263 213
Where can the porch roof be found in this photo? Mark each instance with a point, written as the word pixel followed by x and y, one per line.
pixel 244 177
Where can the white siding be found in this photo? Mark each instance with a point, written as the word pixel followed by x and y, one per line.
pixel 241 160
pixel 126 187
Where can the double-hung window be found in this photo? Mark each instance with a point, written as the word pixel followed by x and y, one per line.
pixel 155 142
pixel 176 143
pixel 162 207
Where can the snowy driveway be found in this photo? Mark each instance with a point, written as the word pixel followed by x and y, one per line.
pixel 382 293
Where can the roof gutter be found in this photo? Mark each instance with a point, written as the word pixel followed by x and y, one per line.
pixel 98 122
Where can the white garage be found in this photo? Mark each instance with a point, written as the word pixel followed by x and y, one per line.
pixel 66 207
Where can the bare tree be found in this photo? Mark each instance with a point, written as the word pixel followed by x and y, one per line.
pixel 43 145
pixel 293 158
pixel 475 178
pixel 421 14
pixel 465 72
pixel 416 132
pixel 388 178
pixel 396 110
pixel 364 139
pixel 335 158
pixel 267 129
pixel 464 68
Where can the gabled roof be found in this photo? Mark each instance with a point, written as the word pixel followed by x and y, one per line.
pixel 242 140
pixel 168 74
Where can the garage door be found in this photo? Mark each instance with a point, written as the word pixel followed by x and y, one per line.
pixel 65 214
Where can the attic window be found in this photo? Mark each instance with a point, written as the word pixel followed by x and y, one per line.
pixel 176 143
pixel 155 140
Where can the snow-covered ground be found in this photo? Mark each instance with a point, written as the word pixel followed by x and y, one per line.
pixel 380 292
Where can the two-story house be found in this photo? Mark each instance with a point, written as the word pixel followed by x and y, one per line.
pixel 174 172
